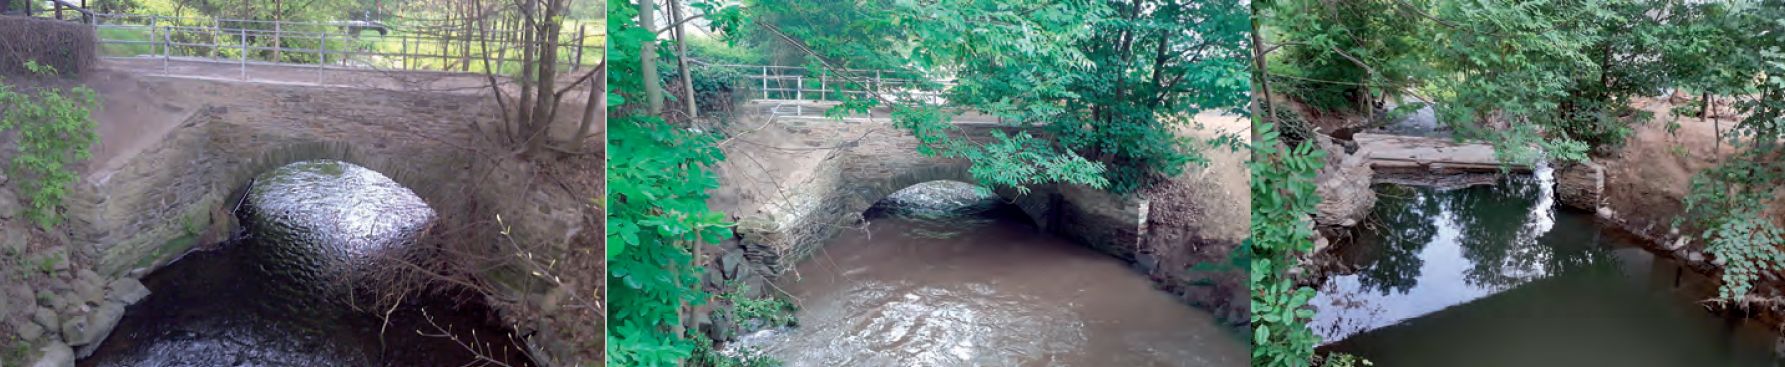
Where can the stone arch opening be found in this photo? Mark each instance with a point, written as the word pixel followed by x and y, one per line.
pixel 1034 204
pixel 319 282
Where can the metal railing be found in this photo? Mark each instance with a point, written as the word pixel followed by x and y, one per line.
pixel 357 45
pixel 792 83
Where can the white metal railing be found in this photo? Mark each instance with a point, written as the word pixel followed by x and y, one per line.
pixel 796 83
pixel 322 44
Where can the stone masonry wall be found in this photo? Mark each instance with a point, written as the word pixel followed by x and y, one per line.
pixel 148 210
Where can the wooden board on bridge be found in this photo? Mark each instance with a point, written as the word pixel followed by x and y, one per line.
pixel 1410 153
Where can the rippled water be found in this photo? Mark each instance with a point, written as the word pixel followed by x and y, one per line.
pixel 1498 276
pixel 983 291
pixel 263 300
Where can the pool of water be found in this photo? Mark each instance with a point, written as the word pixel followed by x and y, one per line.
pixel 983 290
pixel 214 309
pixel 1497 275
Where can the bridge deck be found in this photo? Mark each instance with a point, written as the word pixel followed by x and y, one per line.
pixel 1395 152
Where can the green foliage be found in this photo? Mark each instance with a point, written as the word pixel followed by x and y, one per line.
pixel 775 312
pixel 1110 93
pixel 55 130
pixel 1727 204
pixel 705 356
pixel 658 183
pixel 1556 74
pixel 1345 360
pixel 17 349
pixel 1282 200
pixel 47 264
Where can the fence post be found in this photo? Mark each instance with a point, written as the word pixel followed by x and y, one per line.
pixel 322 56
pixel 578 64
pixel 278 42
pixel 153 35
pixel 244 52
pixel 404 51
pixel 823 84
pixel 167 45
pixel 799 87
pixel 765 82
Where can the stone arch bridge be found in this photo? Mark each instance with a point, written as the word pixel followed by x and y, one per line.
pixel 793 180
pixel 150 198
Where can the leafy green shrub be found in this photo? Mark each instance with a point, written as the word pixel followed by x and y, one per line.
pixel 1283 200
pixel 657 193
pixel 706 356
pixel 55 130
pixel 773 311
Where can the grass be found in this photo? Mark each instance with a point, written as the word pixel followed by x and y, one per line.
pixel 16 352
pixel 122 49
pixel 48 264
pixel 338 44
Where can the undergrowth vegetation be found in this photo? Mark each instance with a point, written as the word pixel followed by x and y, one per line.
pixel 55 130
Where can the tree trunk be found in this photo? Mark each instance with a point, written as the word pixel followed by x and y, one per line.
pixel 648 55
pixel 675 11
pixel 1705 109
pixel 278 30
pixel 546 106
pixel 528 58
pixel 597 97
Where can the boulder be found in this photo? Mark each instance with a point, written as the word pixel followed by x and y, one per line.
pixel 30 331
pixel 89 287
pixel 46 318
pixel 55 354
pixel 14 243
pixel 1344 186
pixel 731 263
pixel 77 331
pixel 93 328
pixel 127 290
pixel 1579 185
pixel 9 204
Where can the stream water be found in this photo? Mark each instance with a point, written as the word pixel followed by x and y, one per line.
pixel 255 302
pixel 1498 276
pixel 983 289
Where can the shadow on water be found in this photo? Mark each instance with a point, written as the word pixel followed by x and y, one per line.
pixel 1497 276
pixel 214 309
pixel 982 288
pixel 271 298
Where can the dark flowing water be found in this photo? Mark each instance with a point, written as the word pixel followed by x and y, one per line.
pixel 1498 276
pixel 986 290
pixel 215 309
pixel 269 299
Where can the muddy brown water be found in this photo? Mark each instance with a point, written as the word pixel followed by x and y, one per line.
pixel 1497 275
pixel 983 290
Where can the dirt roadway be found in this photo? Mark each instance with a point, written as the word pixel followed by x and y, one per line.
pixel 134 115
